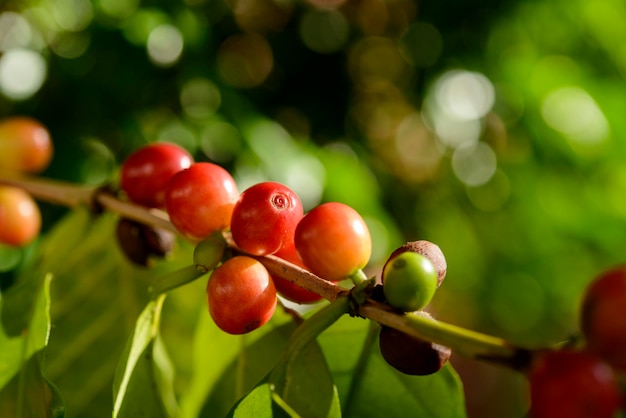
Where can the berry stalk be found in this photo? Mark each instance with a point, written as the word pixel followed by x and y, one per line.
pixel 463 341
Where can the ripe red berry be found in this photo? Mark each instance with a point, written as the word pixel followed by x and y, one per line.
pixel 241 295
pixel 572 384
pixel 25 144
pixel 146 172
pixel 290 290
pixel 333 241
pixel 265 218
pixel 20 219
pixel 200 200
pixel 602 316
pixel 411 355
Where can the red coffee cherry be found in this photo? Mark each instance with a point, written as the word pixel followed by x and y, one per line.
pixel 241 295
pixel 146 172
pixel 290 290
pixel 602 316
pixel 333 241
pixel 572 384
pixel 20 218
pixel 200 200
pixel 25 144
pixel 410 355
pixel 265 218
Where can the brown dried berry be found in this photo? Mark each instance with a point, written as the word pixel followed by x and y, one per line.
pixel 139 241
pixel 160 241
pixel 427 249
pixel 129 239
pixel 411 355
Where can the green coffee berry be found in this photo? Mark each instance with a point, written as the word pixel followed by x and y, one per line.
pixel 409 281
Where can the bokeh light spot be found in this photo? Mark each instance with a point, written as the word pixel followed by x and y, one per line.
pixel 416 148
pixel 245 60
pixel 177 133
pixel 474 164
pixel 200 98
pixel 573 112
pixel 491 195
pixel 72 15
pixel 22 73
pixel 15 31
pixel 324 31
pixel 464 94
pixel 165 45
pixel 421 45
pixel 220 141
pixel 70 44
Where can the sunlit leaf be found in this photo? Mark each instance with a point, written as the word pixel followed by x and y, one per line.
pixel 52 253
pixel 368 385
pixel 24 391
pixel 228 366
pixel 143 381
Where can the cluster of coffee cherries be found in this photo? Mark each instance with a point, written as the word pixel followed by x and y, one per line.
pixel 203 202
pixel 331 240
pixel 25 147
pixel 583 380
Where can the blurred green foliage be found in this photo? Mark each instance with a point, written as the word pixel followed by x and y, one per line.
pixel 492 129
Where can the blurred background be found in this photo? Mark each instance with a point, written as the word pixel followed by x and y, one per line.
pixel 494 129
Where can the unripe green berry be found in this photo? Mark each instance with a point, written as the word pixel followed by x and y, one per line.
pixel 209 252
pixel 427 249
pixel 409 282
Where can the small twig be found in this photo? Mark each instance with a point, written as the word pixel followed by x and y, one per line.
pixel 71 195
pixel 465 342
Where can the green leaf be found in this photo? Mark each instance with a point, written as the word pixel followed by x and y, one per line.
pixel 98 296
pixel 367 384
pixel 53 252
pixel 305 384
pixel 229 366
pixel 143 382
pixel 30 395
pixel 15 351
pixel 25 391
pixel 257 403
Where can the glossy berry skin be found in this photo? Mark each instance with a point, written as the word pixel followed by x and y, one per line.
pixel 265 218
pixel 409 281
pixel 427 249
pixel 200 200
pixel 602 316
pixel 20 218
pixel 146 172
pixel 333 241
pixel 25 145
pixel 572 384
pixel 287 289
pixel 410 355
pixel 241 295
